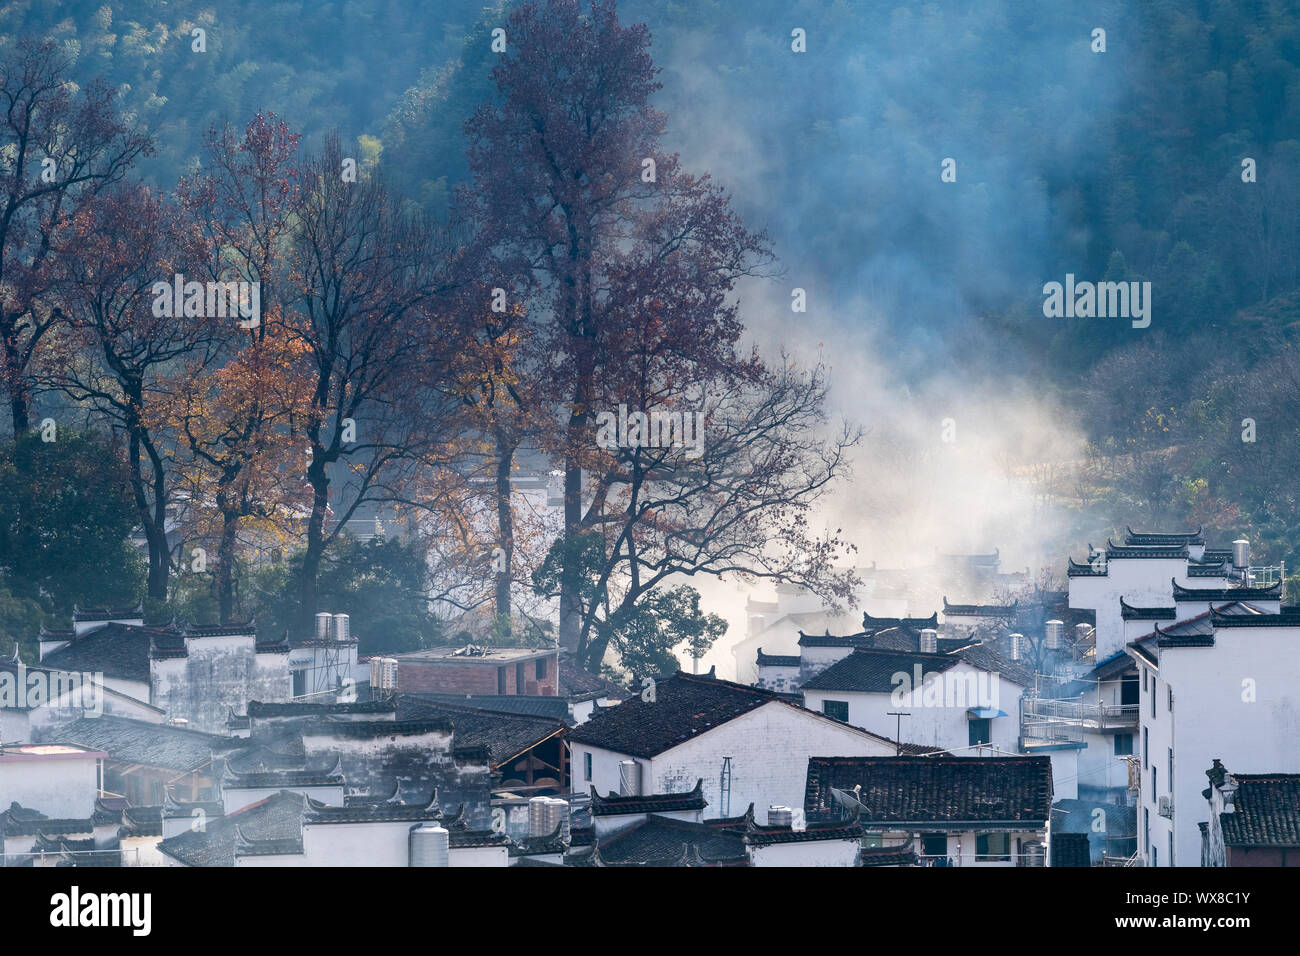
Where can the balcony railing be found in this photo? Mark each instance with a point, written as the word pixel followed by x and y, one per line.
pixel 1046 719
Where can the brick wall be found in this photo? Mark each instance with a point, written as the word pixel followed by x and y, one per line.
pixel 478 677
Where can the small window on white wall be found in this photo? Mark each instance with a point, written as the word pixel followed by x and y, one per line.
pixel 586 767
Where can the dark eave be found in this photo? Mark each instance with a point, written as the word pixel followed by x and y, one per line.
pixel 1184 595
pixel 1162 552
pixel 1077 570
pixel 1131 613
pixel 1157 538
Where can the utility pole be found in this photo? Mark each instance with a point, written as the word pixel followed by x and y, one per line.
pixel 898 729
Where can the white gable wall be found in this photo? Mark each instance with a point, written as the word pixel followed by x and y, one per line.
pixel 769 749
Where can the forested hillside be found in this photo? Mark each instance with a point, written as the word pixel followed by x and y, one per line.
pixel 1122 164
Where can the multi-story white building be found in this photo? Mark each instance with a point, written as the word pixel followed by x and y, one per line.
pixel 1226 681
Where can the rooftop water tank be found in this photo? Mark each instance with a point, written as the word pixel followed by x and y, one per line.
pixel 430 845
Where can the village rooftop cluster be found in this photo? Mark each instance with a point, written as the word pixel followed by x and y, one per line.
pixel 1137 718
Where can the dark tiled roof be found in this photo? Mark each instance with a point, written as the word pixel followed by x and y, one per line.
pixel 870 623
pixel 25 821
pixel 282 779
pixel 1165 538
pixel 140 742
pixel 376 812
pixel 553 708
pixel 871 671
pixel 91 614
pixel 864 639
pixel 576 682
pixel 462 838
pixel 614 805
pixel 756 835
pixel 1266 811
pixel 1071 849
pixel 505 736
pixel 933 790
pixel 661 841
pixel 1077 570
pixel 275 846
pixel 888 856
pixel 257 708
pixel 278 817
pixel 1184 594
pixel 685 706
pixel 1225 617
pixel 114 650
pixel 777 660
pixel 233 629
pixel 141 822
pixel 985 657
pixel 901 638
pixel 1131 613
pixel 978 610
pixel 377 728
pixel 1116 552
pixel 108 810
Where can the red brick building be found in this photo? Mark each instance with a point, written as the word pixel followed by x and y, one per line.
pixel 513 671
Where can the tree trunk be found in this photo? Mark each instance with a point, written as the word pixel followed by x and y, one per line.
pixel 505 534
pixel 19 409
pixel 226 568
pixel 308 593
pixel 153 518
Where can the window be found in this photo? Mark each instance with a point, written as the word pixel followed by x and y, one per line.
pixel 299 683
pixel 1155 773
pixel 519 678
pixel 1144 682
pixel 586 766
pixel 1128 689
pixel 1146 829
pixel 1155 857
pixel 1153 697
pixel 501 680
pixel 1146 746
pixel 1170 779
pixel 1171 699
pixel 541 668
pixel 839 709
pixel 1123 745
pixel 980 731
pixel 934 844
pixel 992 846
pixel 1171 848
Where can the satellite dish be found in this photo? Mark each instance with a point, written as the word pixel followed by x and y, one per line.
pixel 848 801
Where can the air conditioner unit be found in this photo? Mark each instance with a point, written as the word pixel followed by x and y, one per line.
pixel 1165 807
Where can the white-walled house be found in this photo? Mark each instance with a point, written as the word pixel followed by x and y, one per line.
pixel 1224 682
pixel 194 673
pixel 952 701
pixel 955 811
pixel 60 780
pixel 1139 572
pixel 702 728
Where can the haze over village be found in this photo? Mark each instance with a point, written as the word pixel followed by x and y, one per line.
pixel 591 434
